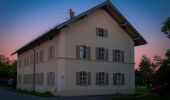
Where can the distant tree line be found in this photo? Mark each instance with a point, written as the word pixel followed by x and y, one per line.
pixel 153 72
pixel 8 70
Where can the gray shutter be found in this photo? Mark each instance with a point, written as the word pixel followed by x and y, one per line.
pixel 78 52
pixel 77 78
pixel 107 78
pixel 105 33
pixel 113 55
pixel 97 53
pixel 106 54
pixel 122 56
pixel 97 78
pixel 123 79
pixel 114 79
pixel 89 78
pixel 88 52
pixel 97 31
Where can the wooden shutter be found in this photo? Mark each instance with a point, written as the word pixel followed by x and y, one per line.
pixel 106 54
pixel 97 53
pixel 107 78
pixel 89 78
pixel 97 78
pixel 105 33
pixel 113 55
pixel 122 56
pixel 123 79
pixel 97 31
pixel 77 78
pixel 114 79
pixel 78 52
pixel 88 52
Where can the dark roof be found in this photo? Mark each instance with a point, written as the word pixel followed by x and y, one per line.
pixel 108 6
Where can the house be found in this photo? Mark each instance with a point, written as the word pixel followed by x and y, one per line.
pixel 90 54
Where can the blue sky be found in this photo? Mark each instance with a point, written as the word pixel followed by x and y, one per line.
pixel 23 20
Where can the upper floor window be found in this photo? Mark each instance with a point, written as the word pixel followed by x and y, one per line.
pixel 83 78
pixel 41 56
pixel 102 78
pixel 118 56
pixel 51 52
pixel 20 62
pixel 118 79
pixel 101 32
pixel 101 54
pixel 83 52
pixel 31 59
pixel 36 57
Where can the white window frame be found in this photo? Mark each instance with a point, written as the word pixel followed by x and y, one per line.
pixel 83 78
pixel 102 78
pixel 101 54
pixel 83 52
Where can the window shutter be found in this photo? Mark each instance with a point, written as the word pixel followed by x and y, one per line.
pixel 123 79
pixel 107 78
pixel 97 53
pixel 53 52
pixel 77 78
pixel 114 55
pixel 106 54
pixel 97 31
pixel 106 33
pixel 122 56
pixel 78 52
pixel 48 53
pixel 89 78
pixel 97 78
pixel 88 52
pixel 114 79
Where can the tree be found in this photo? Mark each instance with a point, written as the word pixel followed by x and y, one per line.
pixel 146 69
pixel 166 27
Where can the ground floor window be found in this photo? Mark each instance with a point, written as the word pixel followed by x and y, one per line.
pixel 39 78
pixel 83 78
pixel 28 78
pixel 51 78
pixel 102 78
pixel 118 79
pixel 19 79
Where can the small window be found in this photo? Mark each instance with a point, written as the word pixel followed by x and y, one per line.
pixel 102 78
pixel 51 79
pixel 101 32
pixel 118 56
pixel 41 56
pixel 51 52
pixel 118 79
pixel 83 52
pixel 83 78
pixel 101 54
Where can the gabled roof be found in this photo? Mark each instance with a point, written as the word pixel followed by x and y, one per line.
pixel 108 6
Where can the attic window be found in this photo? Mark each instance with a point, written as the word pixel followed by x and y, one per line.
pixel 101 32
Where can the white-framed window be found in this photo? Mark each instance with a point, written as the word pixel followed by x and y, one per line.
pixel 118 79
pixel 20 63
pixel 41 56
pixel 36 57
pixel 101 32
pixel 101 54
pixel 102 78
pixel 19 79
pixel 83 78
pixel 51 52
pixel 83 52
pixel 39 78
pixel 28 78
pixel 31 59
pixel 27 61
pixel 118 56
pixel 51 78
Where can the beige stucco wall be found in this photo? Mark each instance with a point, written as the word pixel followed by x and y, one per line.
pixel 83 32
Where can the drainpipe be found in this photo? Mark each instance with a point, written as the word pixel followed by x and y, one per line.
pixel 33 70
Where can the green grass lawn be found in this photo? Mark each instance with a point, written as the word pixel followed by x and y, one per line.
pixel 142 93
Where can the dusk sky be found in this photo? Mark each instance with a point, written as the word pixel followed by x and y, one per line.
pixel 21 21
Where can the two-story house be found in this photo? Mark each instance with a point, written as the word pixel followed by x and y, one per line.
pixel 90 54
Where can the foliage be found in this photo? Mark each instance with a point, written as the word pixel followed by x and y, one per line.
pixel 8 69
pixel 145 68
pixel 166 27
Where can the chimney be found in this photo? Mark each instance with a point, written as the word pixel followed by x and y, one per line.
pixel 72 13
